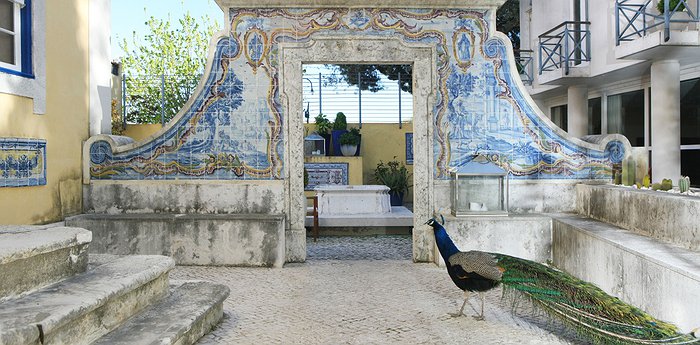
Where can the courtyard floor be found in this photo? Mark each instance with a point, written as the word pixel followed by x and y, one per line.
pixel 362 290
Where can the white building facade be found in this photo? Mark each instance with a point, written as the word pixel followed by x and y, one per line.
pixel 620 66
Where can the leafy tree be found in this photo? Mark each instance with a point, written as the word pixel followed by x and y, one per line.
pixel 164 67
pixel 507 21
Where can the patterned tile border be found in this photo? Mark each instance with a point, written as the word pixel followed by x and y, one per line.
pixel 409 148
pixel 326 173
pixel 22 162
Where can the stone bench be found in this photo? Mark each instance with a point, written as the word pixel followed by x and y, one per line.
pixel 190 239
pixel 352 200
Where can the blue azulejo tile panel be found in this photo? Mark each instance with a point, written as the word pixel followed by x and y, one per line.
pixel 326 173
pixel 22 162
pixel 409 148
pixel 234 128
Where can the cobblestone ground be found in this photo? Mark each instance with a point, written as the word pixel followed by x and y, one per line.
pixel 362 290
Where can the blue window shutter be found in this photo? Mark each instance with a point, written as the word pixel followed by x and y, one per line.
pixel 26 27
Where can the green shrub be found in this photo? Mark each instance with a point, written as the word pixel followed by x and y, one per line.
pixel 341 122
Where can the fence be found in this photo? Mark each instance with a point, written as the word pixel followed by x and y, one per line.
pixel 634 18
pixel 158 98
pixel 329 93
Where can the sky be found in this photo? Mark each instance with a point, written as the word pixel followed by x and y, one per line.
pixel 129 16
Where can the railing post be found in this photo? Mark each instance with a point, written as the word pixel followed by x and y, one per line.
pixel 162 99
pixel 123 100
pixel 667 21
pixel 399 82
pixel 320 97
pixel 566 50
pixel 359 97
pixel 617 22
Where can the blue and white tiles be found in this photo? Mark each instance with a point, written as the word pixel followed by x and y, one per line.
pixel 22 162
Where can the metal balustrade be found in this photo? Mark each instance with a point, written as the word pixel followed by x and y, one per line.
pixel 523 61
pixel 634 18
pixel 566 45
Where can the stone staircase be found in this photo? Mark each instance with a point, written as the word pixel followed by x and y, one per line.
pixel 639 246
pixel 50 295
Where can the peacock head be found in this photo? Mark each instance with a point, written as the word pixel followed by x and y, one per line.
pixel 434 222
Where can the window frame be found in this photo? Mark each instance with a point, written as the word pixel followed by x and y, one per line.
pixel 22 40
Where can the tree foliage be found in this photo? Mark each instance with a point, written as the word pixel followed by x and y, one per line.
pixel 163 69
pixel 507 21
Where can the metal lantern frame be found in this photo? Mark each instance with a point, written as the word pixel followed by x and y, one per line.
pixel 479 169
pixel 314 142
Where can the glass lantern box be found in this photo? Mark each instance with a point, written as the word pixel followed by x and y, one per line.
pixel 314 145
pixel 479 188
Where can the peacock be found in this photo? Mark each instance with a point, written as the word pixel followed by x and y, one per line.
pixel 590 311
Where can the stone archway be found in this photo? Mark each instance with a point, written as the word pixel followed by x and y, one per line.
pixel 349 49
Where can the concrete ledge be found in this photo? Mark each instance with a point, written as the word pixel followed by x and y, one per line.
pixel 32 257
pixel 191 310
pixel 661 279
pixel 671 218
pixel 524 236
pixel 80 309
pixel 205 239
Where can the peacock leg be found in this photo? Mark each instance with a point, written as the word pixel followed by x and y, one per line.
pixel 466 298
pixel 480 317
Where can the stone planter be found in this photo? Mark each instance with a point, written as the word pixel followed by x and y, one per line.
pixel 348 150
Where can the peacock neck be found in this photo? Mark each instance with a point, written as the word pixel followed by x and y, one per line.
pixel 445 245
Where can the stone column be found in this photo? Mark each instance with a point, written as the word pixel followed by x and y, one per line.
pixel 665 120
pixel 577 110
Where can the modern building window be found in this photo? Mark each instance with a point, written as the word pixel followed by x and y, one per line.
pixel 626 116
pixel 558 115
pixel 690 130
pixel 594 115
pixel 15 37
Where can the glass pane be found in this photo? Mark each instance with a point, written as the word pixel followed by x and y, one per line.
pixel 626 116
pixel 690 112
pixel 690 166
pixel 7 48
pixel 479 194
pixel 594 116
pixel 7 15
pixel 559 116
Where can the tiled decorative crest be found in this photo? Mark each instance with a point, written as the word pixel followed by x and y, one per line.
pixel 326 173
pixel 234 128
pixel 22 162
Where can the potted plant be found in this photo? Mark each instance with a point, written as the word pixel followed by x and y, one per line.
pixel 340 127
pixel 349 142
pixel 323 127
pixel 394 175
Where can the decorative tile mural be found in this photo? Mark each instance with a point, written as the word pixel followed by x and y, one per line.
pixel 326 173
pixel 409 148
pixel 234 128
pixel 22 162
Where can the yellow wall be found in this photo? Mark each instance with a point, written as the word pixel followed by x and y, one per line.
pixel 380 142
pixel 64 126
pixel 141 131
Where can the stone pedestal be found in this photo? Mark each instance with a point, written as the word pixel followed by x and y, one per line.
pixel 347 200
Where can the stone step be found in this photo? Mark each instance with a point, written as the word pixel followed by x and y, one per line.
pixel 32 257
pixel 191 310
pixel 83 308
pixel 657 277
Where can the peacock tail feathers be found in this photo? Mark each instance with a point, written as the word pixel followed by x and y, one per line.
pixel 593 313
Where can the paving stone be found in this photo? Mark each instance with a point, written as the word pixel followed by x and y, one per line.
pixel 362 290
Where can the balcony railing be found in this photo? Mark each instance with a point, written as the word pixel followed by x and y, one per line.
pixel 566 45
pixel 523 60
pixel 634 18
